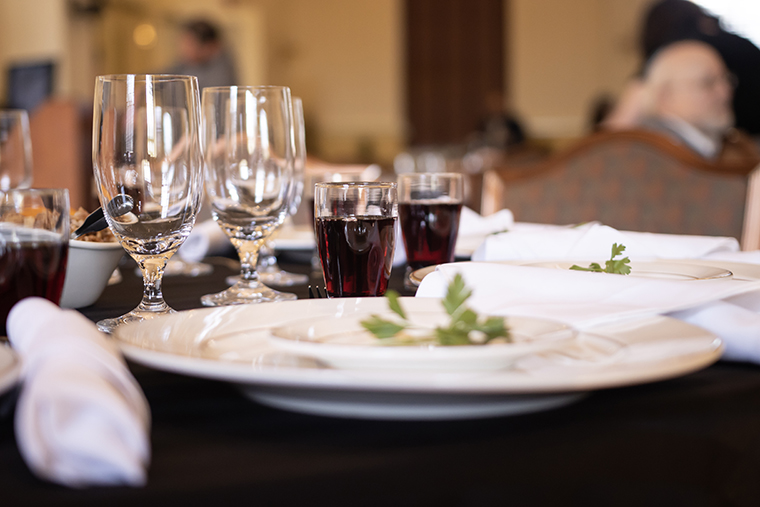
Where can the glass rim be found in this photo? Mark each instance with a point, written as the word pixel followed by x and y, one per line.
pixel 144 77
pixel 356 184
pixel 228 89
pixel 431 175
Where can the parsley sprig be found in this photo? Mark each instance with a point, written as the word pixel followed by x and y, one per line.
pixel 619 266
pixel 465 327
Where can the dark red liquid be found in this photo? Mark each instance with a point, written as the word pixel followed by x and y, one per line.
pixel 31 269
pixel 356 254
pixel 430 232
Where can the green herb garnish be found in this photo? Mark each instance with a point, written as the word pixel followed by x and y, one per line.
pixel 465 327
pixel 618 267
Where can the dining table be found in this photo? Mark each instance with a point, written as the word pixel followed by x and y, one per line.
pixel 692 440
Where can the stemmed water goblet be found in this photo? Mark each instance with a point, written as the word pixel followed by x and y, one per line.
pixel 249 150
pixel 15 150
pixel 146 145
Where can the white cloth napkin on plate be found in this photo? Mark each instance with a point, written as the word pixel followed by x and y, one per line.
pixel 593 241
pixel 206 239
pixel 473 228
pixel 81 418
pixel 726 307
pixel 579 298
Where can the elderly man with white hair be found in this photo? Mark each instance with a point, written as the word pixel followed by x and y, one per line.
pixel 686 94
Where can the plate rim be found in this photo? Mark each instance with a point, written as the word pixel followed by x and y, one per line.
pixel 417 276
pixel 495 382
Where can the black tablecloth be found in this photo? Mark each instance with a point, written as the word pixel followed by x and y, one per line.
pixel 694 440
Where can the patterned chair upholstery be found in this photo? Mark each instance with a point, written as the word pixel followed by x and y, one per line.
pixel 634 180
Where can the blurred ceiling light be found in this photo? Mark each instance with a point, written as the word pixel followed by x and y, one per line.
pixel 144 35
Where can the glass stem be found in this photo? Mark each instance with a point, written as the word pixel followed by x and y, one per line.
pixel 249 256
pixel 152 269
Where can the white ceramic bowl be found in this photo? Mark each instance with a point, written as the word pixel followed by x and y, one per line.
pixel 89 268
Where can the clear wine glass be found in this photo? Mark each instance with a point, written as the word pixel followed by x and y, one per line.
pixel 146 144
pixel 15 150
pixel 269 271
pixel 249 150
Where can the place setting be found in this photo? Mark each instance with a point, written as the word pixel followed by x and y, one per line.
pixel 379 253
pixel 515 319
pixel 332 356
pixel 510 332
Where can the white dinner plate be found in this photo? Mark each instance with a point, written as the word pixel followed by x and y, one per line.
pixel 678 269
pixel 232 344
pixel 344 343
pixel 10 368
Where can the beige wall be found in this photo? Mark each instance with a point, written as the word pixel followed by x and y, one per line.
pixel 34 30
pixel 345 58
pixel 564 54
pixel 242 25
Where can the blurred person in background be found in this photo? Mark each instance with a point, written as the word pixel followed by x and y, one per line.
pixel 202 54
pixel 498 128
pixel 686 94
pixel 668 21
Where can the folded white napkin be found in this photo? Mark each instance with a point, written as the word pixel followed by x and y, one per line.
pixel 81 419
pixel 473 224
pixel 206 239
pixel 593 241
pixel 728 308
pixel 473 228
pixel 578 298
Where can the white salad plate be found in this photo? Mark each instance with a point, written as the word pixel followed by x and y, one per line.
pixel 234 344
pixel 666 270
pixel 10 368
pixel 343 343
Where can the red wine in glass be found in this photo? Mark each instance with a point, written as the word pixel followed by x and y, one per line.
pixel 356 254
pixel 430 231
pixel 30 268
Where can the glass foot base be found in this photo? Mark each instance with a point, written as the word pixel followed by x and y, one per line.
pixel 239 294
pixel 281 278
pixel 109 325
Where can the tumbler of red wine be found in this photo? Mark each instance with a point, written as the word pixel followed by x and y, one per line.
pixel 429 208
pixel 34 245
pixel 356 234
